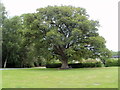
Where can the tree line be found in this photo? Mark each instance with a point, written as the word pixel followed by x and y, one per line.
pixel 63 33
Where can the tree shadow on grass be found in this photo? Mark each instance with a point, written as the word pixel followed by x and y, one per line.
pixel 57 69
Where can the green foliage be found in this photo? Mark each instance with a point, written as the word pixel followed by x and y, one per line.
pixel 54 65
pixel 2 18
pixel 112 62
pixel 68 32
pixel 16 49
pixel 114 53
pixel 3 14
pixel 62 33
pixel 12 42
pixel 76 65
pixel 117 53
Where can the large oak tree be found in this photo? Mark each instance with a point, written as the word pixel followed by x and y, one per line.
pixel 65 32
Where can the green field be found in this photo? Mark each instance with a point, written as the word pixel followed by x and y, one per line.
pixel 54 78
pixel 0 79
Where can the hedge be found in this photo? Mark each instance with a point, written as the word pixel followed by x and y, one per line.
pixel 76 65
pixel 56 65
pixel 112 62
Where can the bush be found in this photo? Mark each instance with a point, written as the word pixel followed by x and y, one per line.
pixel 92 64
pixel 118 61
pixel 112 62
pixel 76 65
pixel 56 65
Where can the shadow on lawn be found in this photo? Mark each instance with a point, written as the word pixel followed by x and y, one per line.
pixel 57 69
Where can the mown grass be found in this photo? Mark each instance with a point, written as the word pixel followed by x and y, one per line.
pixel 54 78
pixel 0 79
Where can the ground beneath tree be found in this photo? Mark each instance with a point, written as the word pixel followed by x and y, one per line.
pixel 105 77
pixel 18 68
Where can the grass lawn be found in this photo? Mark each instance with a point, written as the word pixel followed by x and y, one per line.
pixel 0 79
pixel 53 78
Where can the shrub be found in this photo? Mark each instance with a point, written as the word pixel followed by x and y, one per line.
pixel 76 65
pixel 112 62
pixel 56 65
pixel 118 61
pixel 95 64
pixel 98 64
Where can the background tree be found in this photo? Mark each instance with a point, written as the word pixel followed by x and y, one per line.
pixel 11 40
pixel 17 49
pixel 106 54
pixel 65 32
pixel 114 53
pixel 3 15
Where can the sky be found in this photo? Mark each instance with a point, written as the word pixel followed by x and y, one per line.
pixel 105 11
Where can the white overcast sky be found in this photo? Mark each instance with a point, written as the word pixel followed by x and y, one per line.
pixel 105 11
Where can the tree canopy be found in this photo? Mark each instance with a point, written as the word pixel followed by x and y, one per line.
pixel 2 17
pixel 65 32
pixel 62 32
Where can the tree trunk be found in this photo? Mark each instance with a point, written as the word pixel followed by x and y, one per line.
pixel 5 63
pixel 64 64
